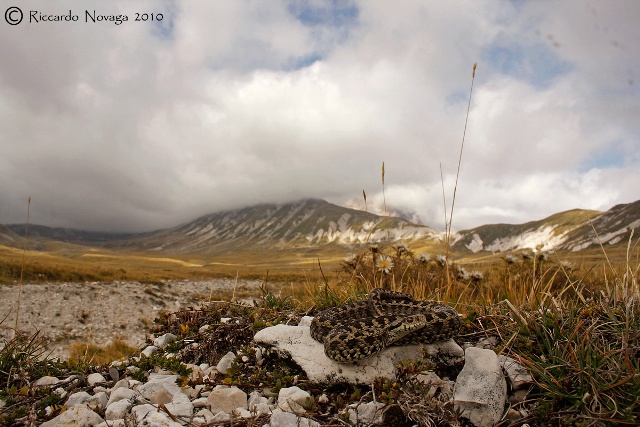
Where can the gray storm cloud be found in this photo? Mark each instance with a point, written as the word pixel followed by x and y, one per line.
pixel 224 104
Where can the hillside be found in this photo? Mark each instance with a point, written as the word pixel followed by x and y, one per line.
pixel 316 226
pixel 304 224
pixel 545 234
pixel 613 227
pixel 572 230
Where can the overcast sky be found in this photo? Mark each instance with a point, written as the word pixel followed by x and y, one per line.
pixel 225 104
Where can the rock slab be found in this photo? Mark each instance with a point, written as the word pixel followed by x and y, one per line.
pixel 296 342
pixel 480 391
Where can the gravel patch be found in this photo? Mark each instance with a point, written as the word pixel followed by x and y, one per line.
pixel 65 313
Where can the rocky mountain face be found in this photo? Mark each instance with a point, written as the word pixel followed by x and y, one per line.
pixel 313 223
pixel 572 230
pixel 613 227
pixel 306 223
pixel 8 237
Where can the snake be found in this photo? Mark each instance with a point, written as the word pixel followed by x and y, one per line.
pixel 361 329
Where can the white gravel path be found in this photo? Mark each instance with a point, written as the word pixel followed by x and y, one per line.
pixel 84 312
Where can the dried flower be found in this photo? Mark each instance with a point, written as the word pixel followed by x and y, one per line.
pixel 566 265
pixel 476 276
pixel 424 258
pixel 351 261
pixel 442 260
pixel 510 259
pixel 401 248
pixel 384 264
pixel 461 273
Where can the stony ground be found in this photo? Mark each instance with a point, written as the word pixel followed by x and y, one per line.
pixel 97 312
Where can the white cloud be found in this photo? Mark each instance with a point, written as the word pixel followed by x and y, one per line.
pixel 146 125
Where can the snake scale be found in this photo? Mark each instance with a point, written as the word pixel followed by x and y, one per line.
pixel 362 329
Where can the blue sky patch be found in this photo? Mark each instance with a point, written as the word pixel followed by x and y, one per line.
pixel 538 64
pixel 612 156
pixel 332 13
pixel 302 61
pixel 163 28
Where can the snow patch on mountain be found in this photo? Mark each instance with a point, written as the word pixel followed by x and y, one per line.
pixel 475 245
pixel 543 239
pixel 344 234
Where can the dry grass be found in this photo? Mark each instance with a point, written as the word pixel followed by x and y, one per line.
pixel 94 354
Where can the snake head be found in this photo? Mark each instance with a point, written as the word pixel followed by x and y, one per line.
pixel 403 326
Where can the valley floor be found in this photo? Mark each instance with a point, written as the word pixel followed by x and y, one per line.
pixel 98 312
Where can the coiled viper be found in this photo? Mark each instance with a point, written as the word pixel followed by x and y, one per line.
pixel 358 330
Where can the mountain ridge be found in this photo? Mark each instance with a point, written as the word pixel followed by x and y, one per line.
pixel 314 223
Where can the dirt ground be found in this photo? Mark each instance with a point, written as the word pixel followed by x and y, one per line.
pixel 97 312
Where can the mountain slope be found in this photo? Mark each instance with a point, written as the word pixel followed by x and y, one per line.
pixel 545 234
pixel 315 224
pixel 613 227
pixel 572 230
pixel 307 223
pixel 68 235
pixel 8 237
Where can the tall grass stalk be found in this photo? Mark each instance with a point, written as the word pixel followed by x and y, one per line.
pixel 24 252
pixel 384 200
pixel 455 187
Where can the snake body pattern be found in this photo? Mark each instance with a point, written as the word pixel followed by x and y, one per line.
pixel 362 329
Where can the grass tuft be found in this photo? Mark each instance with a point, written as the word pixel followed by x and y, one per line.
pixel 94 354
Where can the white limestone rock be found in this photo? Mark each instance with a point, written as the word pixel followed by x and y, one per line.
pixel 60 392
pixel 121 394
pixel 225 363
pixel 182 409
pixel 162 388
pixel 242 413
pixel 436 384
pixel 46 381
pixel 517 375
pixel 296 342
pixel 141 411
pixel 123 383
pixel 366 414
pixel 158 419
pixel 279 418
pixel 149 350
pixel 131 370
pixel 448 351
pixel 117 410
pixel 293 399
pixel 205 414
pixel 221 417
pixel 95 378
pixel 196 374
pixel 76 416
pixel 258 404
pixel 200 402
pixel 226 399
pixel 480 391
pixel 112 423
pixel 160 397
pixel 162 341
pixel 77 398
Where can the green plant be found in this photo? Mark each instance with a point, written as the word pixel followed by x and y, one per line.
pixel 146 364
pixel 585 358
pixel 274 302
pixel 25 357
